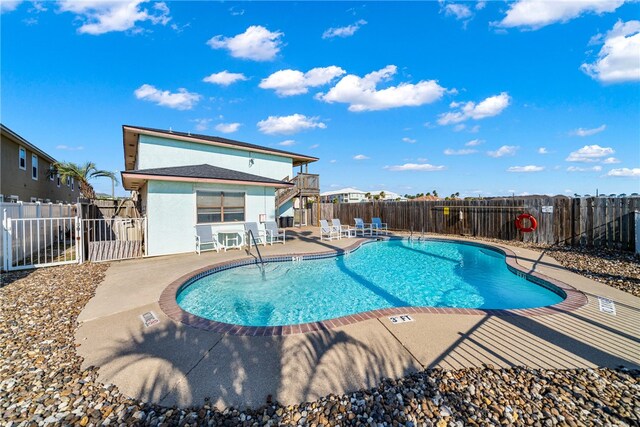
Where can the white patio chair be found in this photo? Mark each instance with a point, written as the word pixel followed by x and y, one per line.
pixel 362 228
pixel 260 236
pixel 205 235
pixel 345 230
pixel 328 232
pixel 379 226
pixel 274 234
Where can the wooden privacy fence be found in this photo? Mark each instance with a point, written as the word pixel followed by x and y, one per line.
pixel 109 208
pixel 592 221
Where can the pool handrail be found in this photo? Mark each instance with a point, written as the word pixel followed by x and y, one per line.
pixel 253 238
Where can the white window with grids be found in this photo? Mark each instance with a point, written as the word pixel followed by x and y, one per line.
pixel 58 180
pixel 34 167
pixel 51 169
pixel 220 206
pixel 22 158
pixel 73 184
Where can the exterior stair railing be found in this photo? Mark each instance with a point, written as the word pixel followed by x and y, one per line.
pixel 303 184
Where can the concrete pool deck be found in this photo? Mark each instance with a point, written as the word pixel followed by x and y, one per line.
pixel 171 363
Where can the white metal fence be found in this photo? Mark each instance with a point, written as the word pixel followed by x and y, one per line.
pixel 38 242
pixel 38 235
pixel 22 210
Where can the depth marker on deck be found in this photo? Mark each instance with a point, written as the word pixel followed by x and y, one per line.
pixel 401 318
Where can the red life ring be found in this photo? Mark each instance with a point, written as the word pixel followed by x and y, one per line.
pixel 532 226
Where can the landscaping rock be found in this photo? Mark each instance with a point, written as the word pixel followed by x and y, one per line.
pixel 41 380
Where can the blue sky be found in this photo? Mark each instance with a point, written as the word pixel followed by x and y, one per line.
pixel 481 98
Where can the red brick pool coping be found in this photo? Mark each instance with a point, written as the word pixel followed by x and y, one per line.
pixel 574 298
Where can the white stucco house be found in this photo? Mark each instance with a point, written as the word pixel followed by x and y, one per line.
pixel 388 195
pixel 344 195
pixel 184 179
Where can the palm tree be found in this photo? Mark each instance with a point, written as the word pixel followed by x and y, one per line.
pixel 382 195
pixel 81 174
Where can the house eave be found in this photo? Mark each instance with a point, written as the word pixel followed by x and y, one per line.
pixel 135 181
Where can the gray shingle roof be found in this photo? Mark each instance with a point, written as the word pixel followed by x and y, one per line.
pixel 207 172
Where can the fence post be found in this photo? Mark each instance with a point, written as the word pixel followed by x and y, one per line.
pixel 7 247
pixel 637 237
pixel 145 238
pixel 5 265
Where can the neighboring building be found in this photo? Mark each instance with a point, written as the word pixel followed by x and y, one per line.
pixel 352 195
pixel 24 173
pixel 184 179
pixel 345 195
pixel 388 195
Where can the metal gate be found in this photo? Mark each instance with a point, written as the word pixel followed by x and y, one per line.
pixel 40 242
pixel 110 239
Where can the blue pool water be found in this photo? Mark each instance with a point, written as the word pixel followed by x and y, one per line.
pixel 388 274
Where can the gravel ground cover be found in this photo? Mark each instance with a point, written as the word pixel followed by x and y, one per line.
pixel 41 381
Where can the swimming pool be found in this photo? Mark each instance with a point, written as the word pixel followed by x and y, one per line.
pixel 386 274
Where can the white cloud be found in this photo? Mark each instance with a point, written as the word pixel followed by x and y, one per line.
pixel 474 143
pixel 528 168
pixel 360 157
pixel 505 150
pixel 635 172
pixel 287 125
pixel 362 95
pixel 535 14
pixel 234 11
pixel 181 100
pixel 619 58
pixel 463 152
pixel 224 78
pixel 581 169
pixel 459 10
pixel 347 31
pixel 228 127
pixel 294 82
pixel 543 150
pixel 69 148
pixel 474 129
pixel 332 161
pixel 201 124
pixel 409 140
pixel 314 146
pixel 492 106
pixel 590 153
pixel 588 132
pixel 104 16
pixel 610 161
pixel 287 143
pixel 480 5
pixel 9 6
pixel 256 43
pixel 423 167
